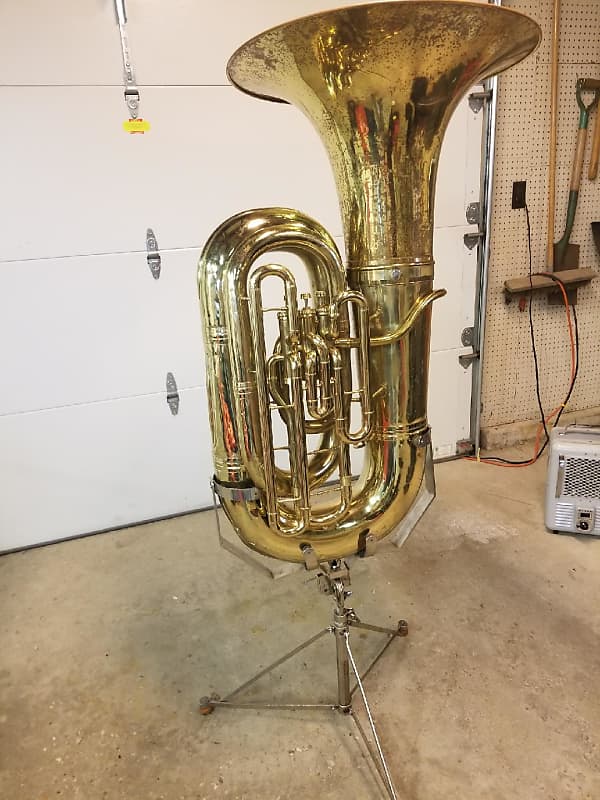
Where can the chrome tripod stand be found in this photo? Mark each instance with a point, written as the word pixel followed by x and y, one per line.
pixel 333 579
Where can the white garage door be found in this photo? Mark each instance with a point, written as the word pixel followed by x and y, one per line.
pixel 88 440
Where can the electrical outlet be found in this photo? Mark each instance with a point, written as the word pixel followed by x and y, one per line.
pixel 518 194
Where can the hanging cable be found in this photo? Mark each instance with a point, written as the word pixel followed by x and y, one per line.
pixel 574 347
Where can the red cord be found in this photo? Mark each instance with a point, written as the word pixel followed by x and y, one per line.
pixel 556 410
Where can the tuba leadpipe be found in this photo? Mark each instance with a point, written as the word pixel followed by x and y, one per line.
pixel 379 82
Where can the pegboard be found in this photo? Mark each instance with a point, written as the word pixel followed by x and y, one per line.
pixel 522 153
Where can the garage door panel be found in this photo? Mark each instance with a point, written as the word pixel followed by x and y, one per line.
pixel 71 42
pixel 474 144
pixel 131 330
pixel 87 187
pixel 91 467
pixel 98 327
pixel 450 187
pixel 174 42
pixel 455 271
pixel 194 41
pixel 448 401
pixel 458 172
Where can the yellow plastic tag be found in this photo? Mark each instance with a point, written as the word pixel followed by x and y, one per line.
pixel 136 125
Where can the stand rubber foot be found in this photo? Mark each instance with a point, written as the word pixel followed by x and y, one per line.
pixel 205 706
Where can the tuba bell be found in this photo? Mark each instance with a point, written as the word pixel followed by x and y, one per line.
pixel 349 369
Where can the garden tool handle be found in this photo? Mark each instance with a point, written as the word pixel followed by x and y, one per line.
pixel 583 85
pixel 578 162
pixel 595 157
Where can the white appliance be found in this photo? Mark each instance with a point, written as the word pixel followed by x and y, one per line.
pixel 573 480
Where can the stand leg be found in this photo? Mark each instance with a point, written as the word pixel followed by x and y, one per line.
pixel 402 630
pixel 334 580
pixel 386 773
pixel 208 704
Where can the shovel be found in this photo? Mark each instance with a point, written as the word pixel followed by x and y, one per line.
pixel 561 260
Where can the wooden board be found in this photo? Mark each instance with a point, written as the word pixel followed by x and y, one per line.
pixel 567 276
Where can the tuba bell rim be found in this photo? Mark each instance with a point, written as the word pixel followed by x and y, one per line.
pixel 241 53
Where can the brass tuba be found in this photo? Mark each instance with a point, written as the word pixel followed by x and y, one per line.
pixel 379 82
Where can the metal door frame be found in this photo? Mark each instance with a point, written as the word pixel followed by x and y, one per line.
pixel 483 253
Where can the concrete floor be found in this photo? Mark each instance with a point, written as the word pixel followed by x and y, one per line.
pixel 108 642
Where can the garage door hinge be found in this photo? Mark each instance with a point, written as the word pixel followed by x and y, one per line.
pixel 468 358
pixel 473 216
pixel 172 394
pixel 472 239
pixel 153 256
pixel 477 99
pixel 464 447
pixel 473 213
pixel 467 337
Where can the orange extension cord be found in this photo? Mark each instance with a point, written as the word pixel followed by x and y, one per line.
pixel 552 414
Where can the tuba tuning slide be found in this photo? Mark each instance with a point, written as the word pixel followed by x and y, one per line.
pixel 349 367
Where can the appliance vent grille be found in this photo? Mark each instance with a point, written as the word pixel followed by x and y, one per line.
pixel 564 515
pixel 582 478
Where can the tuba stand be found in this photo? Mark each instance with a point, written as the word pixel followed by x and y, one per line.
pixel 333 579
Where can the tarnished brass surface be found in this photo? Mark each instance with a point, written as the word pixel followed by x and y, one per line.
pixel 379 82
